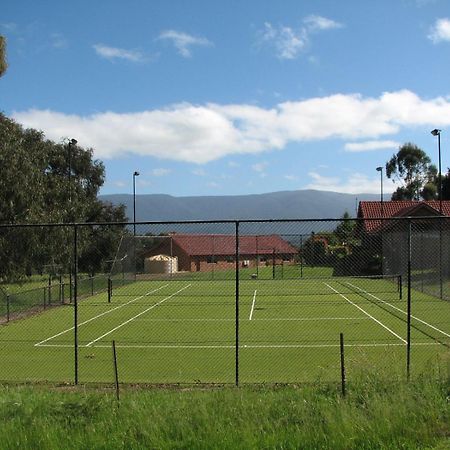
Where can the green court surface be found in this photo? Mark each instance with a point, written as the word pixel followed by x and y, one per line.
pixel 185 331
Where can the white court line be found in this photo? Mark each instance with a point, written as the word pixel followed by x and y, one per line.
pixel 253 306
pixel 199 346
pixel 367 314
pixel 99 315
pixel 137 315
pixel 280 319
pixel 404 312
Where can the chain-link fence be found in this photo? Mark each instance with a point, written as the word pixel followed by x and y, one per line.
pixel 223 302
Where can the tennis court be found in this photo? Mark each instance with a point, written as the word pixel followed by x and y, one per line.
pixel 185 331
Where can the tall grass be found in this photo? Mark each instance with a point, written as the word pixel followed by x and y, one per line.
pixel 376 414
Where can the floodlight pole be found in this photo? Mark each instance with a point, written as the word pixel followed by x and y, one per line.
pixel 380 169
pixel 135 174
pixel 437 132
pixel 71 144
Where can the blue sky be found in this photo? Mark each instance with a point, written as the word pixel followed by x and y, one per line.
pixel 208 97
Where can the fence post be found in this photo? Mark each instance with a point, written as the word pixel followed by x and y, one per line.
pixel 50 290
pixel 408 331
pixel 92 285
pixel 301 256
pixel 75 301
pixel 45 297
pixel 7 307
pixel 342 364
pixel 237 305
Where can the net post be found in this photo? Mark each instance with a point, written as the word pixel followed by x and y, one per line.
pixel 109 290
pixel 343 379
pixel 70 285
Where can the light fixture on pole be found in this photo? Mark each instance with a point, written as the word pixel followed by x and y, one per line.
pixel 135 174
pixel 380 169
pixel 437 132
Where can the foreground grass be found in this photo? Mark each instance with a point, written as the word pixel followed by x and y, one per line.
pixel 375 414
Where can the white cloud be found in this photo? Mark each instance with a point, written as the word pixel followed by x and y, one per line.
pixel 356 183
pixel 314 22
pixel 440 31
pixel 291 177
pixel 183 41
pixel 203 133
pixel 289 42
pixel 370 146
pixel 113 53
pixel 160 172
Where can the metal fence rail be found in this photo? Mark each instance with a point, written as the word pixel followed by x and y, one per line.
pixel 247 301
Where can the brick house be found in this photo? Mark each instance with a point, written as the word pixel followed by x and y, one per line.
pixel 208 252
pixel 384 235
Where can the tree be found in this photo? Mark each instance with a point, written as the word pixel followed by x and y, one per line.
pixel 446 185
pixel 35 187
pixel 3 63
pixel 345 229
pixel 412 167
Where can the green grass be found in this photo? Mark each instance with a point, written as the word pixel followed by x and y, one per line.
pixel 376 414
pixel 184 331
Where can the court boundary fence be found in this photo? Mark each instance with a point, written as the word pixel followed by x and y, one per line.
pixel 72 290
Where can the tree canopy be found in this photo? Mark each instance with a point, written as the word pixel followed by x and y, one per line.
pixel 412 167
pixel 46 182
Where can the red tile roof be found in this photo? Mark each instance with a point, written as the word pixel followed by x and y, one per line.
pixel 404 208
pixel 223 244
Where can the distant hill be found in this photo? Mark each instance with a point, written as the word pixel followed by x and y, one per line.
pixel 303 204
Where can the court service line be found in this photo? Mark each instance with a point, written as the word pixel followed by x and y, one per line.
pixel 275 319
pixel 137 315
pixel 401 310
pixel 253 305
pixel 100 315
pixel 367 314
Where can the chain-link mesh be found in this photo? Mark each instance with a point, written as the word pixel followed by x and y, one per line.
pixel 223 302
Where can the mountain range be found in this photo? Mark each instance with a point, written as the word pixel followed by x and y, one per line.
pixel 301 204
